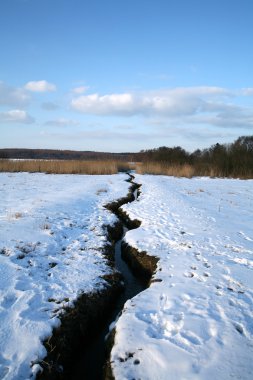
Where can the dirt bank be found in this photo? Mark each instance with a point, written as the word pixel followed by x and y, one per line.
pixel 83 321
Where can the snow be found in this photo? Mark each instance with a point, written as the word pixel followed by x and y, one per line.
pixel 195 320
pixel 51 236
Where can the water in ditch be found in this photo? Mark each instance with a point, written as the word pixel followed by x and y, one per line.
pixel 90 363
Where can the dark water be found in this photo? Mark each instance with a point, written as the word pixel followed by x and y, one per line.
pixel 90 362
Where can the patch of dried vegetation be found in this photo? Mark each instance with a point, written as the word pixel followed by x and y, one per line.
pixel 64 166
pixel 160 168
pixel 186 170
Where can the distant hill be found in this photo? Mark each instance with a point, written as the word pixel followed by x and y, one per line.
pixel 52 154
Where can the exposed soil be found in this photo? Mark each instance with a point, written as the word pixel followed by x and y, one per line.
pixel 81 324
pixel 140 262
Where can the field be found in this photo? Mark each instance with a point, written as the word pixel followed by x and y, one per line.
pixel 51 249
pixel 194 321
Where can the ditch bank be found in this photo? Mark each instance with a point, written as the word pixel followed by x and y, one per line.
pixel 76 349
pixel 140 263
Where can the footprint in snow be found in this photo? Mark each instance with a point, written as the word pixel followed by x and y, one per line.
pixel 189 274
pixel 8 301
pixel 22 285
pixel 3 371
pixel 219 290
pixel 164 323
pixel 198 256
pixel 239 327
pixel 168 324
pixel 234 286
pixel 244 236
pixel 191 337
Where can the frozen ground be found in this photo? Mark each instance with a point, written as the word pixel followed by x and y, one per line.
pixel 196 320
pixel 51 236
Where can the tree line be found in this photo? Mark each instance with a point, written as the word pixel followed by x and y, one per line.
pixel 55 154
pixel 223 160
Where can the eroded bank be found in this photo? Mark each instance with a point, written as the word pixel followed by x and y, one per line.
pixel 78 349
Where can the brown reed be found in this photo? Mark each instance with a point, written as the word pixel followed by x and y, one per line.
pixel 63 166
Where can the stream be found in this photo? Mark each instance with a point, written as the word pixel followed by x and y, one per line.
pixel 90 363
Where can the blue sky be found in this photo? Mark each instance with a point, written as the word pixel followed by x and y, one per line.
pixel 120 75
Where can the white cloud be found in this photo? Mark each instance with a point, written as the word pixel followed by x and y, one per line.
pixel 105 105
pixel 215 106
pixel 79 90
pixel 62 122
pixel 40 86
pixel 11 96
pixel 16 116
pixel 172 102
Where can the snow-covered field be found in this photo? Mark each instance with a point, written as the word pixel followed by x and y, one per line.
pixel 196 320
pixel 51 235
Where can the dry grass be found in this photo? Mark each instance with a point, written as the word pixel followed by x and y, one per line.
pixel 113 167
pixel 186 170
pixel 165 169
pixel 64 167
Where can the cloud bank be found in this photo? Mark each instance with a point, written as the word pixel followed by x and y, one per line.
pixel 164 102
pixel 210 105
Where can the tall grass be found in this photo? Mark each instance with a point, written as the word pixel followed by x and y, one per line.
pixel 113 167
pixel 165 169
pixel 63 166
pixel 189 171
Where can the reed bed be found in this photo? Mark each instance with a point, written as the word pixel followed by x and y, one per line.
pixel 159 168
pixel 189 171
pixel 113 167
pixel 63 166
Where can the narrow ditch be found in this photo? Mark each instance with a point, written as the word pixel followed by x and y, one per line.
pixel 79 345
pixel 91 364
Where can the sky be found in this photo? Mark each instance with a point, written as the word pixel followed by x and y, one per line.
pixel 122 76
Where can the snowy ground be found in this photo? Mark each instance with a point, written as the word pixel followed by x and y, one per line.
pixel 51 235
pixel 196 321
